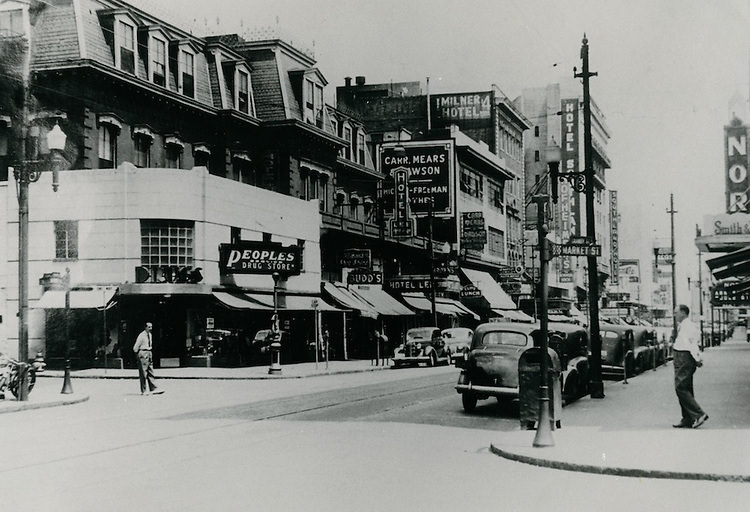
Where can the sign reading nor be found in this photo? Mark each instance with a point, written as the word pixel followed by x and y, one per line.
pixel 259 258
pixel 737 180
pixel 429 168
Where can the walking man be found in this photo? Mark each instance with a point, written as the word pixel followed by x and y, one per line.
pixel 687 357
pixel 142 349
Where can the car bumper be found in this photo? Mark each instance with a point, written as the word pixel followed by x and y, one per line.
pixel 487 390
pixel 410 359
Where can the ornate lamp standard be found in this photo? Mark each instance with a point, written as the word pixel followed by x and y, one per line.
pixel 29 171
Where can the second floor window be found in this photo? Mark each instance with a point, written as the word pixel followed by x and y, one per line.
pixel 187 73
pixel 107 146
pixel 496 242
pixel 142 150
pixel 472 183
pixel 127 47
pixel 159 62
pixel 66 239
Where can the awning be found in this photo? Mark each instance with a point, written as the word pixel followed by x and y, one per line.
pixel 239 301
pixel 491 290
pixel 89 298
pixel 293 302
pixel 513 314
pixel 349 300
pixel 442 305
pixel 382 301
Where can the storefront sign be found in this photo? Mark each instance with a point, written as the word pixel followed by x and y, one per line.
pixel 364 278
pixel 570 157
pixel 737 180
pixel 429 168
pixel 356 258
pixel 473 232
pixel 259 258
pixel 414 283
pixel 470 292
pixel 726 224
pixel 565 277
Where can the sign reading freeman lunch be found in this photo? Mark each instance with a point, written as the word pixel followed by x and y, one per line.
pixel 259 258
pixel 735 140
pixel 429 167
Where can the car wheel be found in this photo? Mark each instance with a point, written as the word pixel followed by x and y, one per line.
pixel 448 355
pixel 570 392
pixel 469 402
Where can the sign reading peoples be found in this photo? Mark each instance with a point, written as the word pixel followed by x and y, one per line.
pixel 737 180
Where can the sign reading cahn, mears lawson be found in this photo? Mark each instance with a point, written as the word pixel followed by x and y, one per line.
pixel 259 258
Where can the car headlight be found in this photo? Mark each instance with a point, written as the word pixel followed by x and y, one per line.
pixel 418 346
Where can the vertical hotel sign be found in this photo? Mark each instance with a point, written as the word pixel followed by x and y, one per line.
pixel 738 183
pixel 570 157
pixel 614 238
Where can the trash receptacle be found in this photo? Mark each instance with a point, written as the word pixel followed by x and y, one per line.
pixel 529 378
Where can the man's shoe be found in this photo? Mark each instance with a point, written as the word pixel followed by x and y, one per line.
pixel 157 392
pixel 700 421
pixel 682 424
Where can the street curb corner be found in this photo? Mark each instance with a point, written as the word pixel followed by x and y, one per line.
pixel 26 406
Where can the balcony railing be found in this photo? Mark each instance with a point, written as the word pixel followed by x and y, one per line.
pixel 369 229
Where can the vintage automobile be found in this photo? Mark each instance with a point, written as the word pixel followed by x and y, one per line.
pixel 491 368
pixel 617 353
pixel 457 342
pixel 421 345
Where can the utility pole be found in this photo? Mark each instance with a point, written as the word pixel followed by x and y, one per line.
pixel 700 296
pixel 596 385
pixel 671 213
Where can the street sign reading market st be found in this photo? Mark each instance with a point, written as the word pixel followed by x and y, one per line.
pixel 259 258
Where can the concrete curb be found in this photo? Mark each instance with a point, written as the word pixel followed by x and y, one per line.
pixel 27 406
pixel 615 471
pixel 159 376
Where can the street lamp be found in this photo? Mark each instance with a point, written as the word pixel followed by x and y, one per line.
pixel 29 171
pixel 275 367
pixel 67 385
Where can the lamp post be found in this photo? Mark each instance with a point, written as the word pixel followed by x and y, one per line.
pixel 275 367
pixel 700 297
pixel 67 386
pixel 29 171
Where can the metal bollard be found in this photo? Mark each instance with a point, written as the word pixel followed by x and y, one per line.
pixel 23 382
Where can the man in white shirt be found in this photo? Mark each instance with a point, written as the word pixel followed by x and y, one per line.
pixel 142 349
pixel 687 357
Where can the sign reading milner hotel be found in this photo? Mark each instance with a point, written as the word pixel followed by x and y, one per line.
pixel 429 166
pixel 259 258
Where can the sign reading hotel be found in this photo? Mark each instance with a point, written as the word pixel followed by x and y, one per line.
pixel 737 180
pixel 472 106
pixel 259 258
pixel 570 156
pixel 614 237
pixel 429 173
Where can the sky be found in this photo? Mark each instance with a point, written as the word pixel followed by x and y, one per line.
pixel 667 73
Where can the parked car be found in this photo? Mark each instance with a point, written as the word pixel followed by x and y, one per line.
pixel 421 345
pixel 644 348
pixel 491 368
pixel 617 349
pixel 457 342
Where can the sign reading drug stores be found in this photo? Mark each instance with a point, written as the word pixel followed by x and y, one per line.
pixel 259 258
pixel 429 168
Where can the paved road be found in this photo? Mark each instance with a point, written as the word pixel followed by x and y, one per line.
pixel 210 445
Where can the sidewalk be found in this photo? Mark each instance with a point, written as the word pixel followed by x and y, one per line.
pixel 630 433
pixel 289 371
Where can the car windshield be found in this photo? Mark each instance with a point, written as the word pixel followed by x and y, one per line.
pixel 516 339
pixel 419 334
pixel 609 335
pixel 457 333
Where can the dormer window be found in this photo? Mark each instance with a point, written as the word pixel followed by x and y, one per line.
pixel 243 98
pixel 361 147
pixel 159 61
pixel 125 55
pixel 11 23
pixel 347 136
pixel 187 73
pixel 335 127
pixel 313 103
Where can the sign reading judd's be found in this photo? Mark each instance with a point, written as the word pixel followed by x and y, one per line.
pixel 737 180
pixel 259 258
pixel 429 167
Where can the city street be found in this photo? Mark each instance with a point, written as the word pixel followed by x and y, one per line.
pixel 389 440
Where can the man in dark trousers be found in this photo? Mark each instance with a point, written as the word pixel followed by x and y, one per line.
pixel 142 349
pixel 687 358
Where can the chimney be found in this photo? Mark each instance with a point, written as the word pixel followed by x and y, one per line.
pixel 360 80
pixel 348 81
